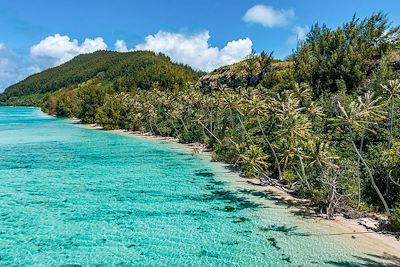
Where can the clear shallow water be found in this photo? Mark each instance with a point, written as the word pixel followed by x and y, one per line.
pixel 75 196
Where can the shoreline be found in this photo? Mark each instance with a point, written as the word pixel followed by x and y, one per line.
pixel 372 242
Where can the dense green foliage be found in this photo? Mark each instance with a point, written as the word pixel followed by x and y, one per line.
pixel 324 125
pixel 125 71
pixel 395 218
pixel 331 60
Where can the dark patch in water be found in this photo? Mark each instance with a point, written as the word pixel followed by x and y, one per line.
pixel 287 259
pixel 283 229
pixel 208 254
pixel 233 199
pixel 204 174
pixel 217 182
pixel 229 243
pixel 240 220
pixel 197 213
pixel 257 193
pixel 273 242
pixel 229 209
pixel 244 233
pixel 204 230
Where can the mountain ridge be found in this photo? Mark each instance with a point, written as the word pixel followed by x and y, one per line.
pixel 124 71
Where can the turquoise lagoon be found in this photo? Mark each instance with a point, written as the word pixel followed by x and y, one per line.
pixel 76 197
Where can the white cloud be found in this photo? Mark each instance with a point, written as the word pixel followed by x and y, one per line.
pixel 268 16
pixel 195 50
pixel 91 45
pixel 60 48
pixel 120 46
pixel 299 34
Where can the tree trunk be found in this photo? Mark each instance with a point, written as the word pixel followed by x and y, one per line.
pixel 244 128
pixel 391 123
pixel 151 127
pixel 371 178
pixel 358 170
pixel 216 138
pixel 278 166
pixel 184 125
pixel 390 139
pixel 175 129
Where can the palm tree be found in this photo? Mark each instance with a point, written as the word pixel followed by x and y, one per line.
pixel 303 92
pixel 316 112
pixel 392 89
pixel 356 118
pixel 294 130
pixel 258 107
pixel 199 120
pixel 369 104
pixel 253 159
pixel 236 104
pixel 392 162
pixel 178 113
pixel 318 153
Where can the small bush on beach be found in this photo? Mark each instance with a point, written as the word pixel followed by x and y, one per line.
pixel 395 219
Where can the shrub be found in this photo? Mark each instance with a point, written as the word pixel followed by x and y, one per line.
pixel 395 218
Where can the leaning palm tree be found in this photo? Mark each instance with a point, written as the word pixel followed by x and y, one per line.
pixel 303 92
pixel 392 90
pixel 319 154
pixel 236 105
pixel 369 104
pixel 294 128
pixel 253 160
pixel 357 117
pixel 258 107
pixel 392 161
pixel 199 119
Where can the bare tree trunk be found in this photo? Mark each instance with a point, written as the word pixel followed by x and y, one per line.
pixel 156 126
pixel 278 166
pixel 244 128
pixel 329 209
pixel 303 171
pixel 211 120
pixel 151 127
pixel 216 138
pixel 371 177
pixel 393 181
pixel 391 123
pixel 184 125
pixel 358 169
pixel 390 139
pixel 175 129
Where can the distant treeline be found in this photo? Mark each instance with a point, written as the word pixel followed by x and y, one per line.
pixel 120 71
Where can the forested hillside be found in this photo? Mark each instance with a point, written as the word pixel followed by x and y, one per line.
pixel 122 71
pixel 323 125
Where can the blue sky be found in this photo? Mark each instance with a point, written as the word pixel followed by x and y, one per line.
pixel 35 35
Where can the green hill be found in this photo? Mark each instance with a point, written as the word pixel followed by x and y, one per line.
pixel 124 71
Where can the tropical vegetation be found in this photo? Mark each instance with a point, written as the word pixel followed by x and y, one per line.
pixel 323 124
